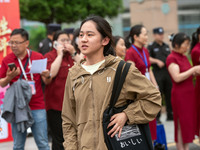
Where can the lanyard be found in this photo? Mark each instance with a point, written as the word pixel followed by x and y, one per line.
pixel 22 68
pixel 143 59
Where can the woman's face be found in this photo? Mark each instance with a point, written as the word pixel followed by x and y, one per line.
pixel 63 38
pixel 142 38
pixel 184 47
pixel 120 48
pixel 90 40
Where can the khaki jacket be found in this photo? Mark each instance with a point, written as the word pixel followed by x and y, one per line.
pixel 87 96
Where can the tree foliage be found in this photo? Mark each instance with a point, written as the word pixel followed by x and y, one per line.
pixel 48 11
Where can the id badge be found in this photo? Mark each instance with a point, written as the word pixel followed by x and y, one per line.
pixel 147 75
pixel 32 85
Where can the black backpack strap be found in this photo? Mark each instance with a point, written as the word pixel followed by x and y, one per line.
pixel 120 84
pixel 117 78
pixel 26 64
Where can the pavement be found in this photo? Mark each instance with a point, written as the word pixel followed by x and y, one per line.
pixel 169 130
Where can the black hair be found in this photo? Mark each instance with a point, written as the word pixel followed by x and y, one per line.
pixel 22 32
pixel 105 30
pixel 178 39
pixel 116 39
pixel 135 30
pixel 58 33
pixel 195 38
pixel 76 34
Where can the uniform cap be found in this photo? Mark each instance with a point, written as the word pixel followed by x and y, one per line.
pixel 53 27
pixel 69 30
pixel 158 30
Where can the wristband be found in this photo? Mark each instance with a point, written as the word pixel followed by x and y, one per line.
pixel 74 54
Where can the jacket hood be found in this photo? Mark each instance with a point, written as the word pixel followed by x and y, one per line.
pixel 77 70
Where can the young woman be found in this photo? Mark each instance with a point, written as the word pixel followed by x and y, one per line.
pixel 60 59
pixel 138 55
pixel 120 48
pixel 195 54
pixel 89 87
pixel 182 95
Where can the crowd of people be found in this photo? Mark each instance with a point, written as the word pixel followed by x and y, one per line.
pixel 73 92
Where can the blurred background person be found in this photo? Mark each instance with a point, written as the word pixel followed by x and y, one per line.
pixel 70 32
pixel 138 55
pixel 159 51
pixel 120 48
pixel 195 54
pixel 46 44
pixel 75 40
pixel 182 95
pixel 60 59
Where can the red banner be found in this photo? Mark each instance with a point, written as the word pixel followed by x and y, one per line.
pixel 9 20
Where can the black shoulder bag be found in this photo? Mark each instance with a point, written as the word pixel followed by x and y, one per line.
pixel 133 137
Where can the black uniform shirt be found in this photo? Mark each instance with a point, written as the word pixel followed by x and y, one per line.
pixel 45 46
pixel 160 52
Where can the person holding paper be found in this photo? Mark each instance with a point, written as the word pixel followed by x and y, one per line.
pixel 21 55
pixel 60 59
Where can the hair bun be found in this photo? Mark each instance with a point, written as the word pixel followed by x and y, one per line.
pixel 171 37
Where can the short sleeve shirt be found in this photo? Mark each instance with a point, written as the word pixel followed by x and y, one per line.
pixel 159 52
pixel 133 56
pixel 37 100
pixel 54 92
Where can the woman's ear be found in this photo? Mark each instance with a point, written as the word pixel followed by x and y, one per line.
pixel 176 46
pixel 105 41
pixel 135 37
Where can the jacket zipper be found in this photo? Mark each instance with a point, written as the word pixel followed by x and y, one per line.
pixel 93 105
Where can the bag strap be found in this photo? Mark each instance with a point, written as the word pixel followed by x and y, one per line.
pixel 119 83
pixel 117 78
pixel 26 64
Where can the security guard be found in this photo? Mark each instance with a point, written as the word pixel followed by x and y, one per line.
pixel 159 51
pixel 46 44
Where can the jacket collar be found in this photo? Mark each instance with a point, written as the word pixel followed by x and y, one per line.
pixel 77 70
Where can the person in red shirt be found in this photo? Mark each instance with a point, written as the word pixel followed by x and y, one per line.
pixel 182 94
pixel 138 55
pixel 195 54
pixel 60 59
pixel 19 42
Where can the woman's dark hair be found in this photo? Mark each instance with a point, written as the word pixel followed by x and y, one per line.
pixel 178 39
pixel 116 39
pixel 105 30
pixel 22 32
pixel 135 30
pixel 76 34
pixel 195 38
pixel 57 34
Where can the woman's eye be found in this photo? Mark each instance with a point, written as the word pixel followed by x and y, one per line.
pixel 89 34
pixel 80 35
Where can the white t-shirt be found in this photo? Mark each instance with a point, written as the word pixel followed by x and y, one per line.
pixel 92 68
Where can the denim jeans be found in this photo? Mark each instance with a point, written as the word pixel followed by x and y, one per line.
pixel 39 131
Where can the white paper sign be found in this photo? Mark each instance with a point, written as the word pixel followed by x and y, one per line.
pixel 38 66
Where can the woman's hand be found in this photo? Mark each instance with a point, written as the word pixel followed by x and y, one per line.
pixel 196 70
pixel 69 48
pixel 118 120
pixel 60 49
